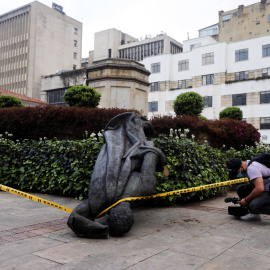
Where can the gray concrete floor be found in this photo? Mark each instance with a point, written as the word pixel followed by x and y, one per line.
pixel 194 236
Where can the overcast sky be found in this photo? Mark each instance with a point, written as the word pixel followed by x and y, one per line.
pixel 138 18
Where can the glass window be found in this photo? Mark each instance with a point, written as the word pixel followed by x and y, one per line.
pixel 75 55
pixel 265 72
pixel 241 55
pixel 266 50
pixel 183 84
pixel 76 31
pixel 155 67
pixel 155 86
pixel 208 58
pixel 208 79
pixel 75 43
pixel 183 65
pixel 239 99
pixel 153 106
pixel 243 75
pixel 55 97
pixel 265 123
pixel 74 66
pixel 193 46
pixel 268 18
pixel 226 17
pixel 208 101
pixel 265 97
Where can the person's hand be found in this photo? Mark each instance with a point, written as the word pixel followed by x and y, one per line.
pixel 243 202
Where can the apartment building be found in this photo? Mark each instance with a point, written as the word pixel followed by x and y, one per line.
pixel 244 22
pixel 113 43
pixel 225 74
pixel 36 40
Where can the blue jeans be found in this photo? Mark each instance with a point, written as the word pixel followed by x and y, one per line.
pixel 259 205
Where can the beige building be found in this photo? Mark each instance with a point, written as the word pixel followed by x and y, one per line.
pixel 36 40
pixel 245 22
pixel 122 83
pixel 113 43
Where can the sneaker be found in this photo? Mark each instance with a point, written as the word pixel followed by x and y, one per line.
pixel 251 217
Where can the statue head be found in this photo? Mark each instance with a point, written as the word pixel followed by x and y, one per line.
pixel 120 219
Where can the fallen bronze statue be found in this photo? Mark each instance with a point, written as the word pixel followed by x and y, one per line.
pixel 126 167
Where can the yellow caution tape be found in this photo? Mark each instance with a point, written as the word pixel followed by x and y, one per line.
pixel 180 191
pixel 186 190
pixel 34 198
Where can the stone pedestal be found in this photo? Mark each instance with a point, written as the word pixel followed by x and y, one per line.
pixel 122 83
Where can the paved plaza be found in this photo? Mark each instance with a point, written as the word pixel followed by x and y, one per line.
pixel 194 236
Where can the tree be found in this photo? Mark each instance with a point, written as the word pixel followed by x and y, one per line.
pixel 9 101
pixel 189 103
pixel 232 113
pixel 82 96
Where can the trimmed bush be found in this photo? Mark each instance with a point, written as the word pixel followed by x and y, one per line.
pixel 232 113
pixel 52 121
pixel 228 132
pixel 189 103
pixel 82 96
pixel 9 101
pixel 65 167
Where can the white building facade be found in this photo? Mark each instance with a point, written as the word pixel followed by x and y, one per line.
pixel 225 74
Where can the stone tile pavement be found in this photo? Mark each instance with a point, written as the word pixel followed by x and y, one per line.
pixel 195 236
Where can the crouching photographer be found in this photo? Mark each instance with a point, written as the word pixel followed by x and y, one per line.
pixel 255 195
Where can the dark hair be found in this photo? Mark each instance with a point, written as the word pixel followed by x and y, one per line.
pixel 233 166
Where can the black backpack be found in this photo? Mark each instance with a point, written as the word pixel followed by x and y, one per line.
pixel 263 159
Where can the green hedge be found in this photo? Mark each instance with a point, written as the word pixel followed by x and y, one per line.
pixel 65 167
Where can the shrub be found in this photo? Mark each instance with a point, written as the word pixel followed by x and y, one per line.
pixel 190 165
pixel 52 121
pixel 228 132
pixel 49 166
pixel 190 103
pixel 232 113
pixel 82 96
pixel 9 101
pixel 202 117
pixel 234 133
pixel 65 167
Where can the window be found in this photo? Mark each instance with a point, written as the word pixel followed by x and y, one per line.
pixel 183 84
pixel 207 102
pixel 268 18
pixel 265 72
pixel 74 66
pixel 193 46
pixel 75 43
pixel 241 55
pixel 155 86
pixel 110 53
pixel 75 55
pixel 226 17
pixel 265 123
pixel 208 58
pixel 183 65
pixel 266 50
pixel 265 97
pixel 208 79
pixel 153 106
pixel 55 97
pixel 239 99
pixel 243 75
pixel 76 31
pixel 155 67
